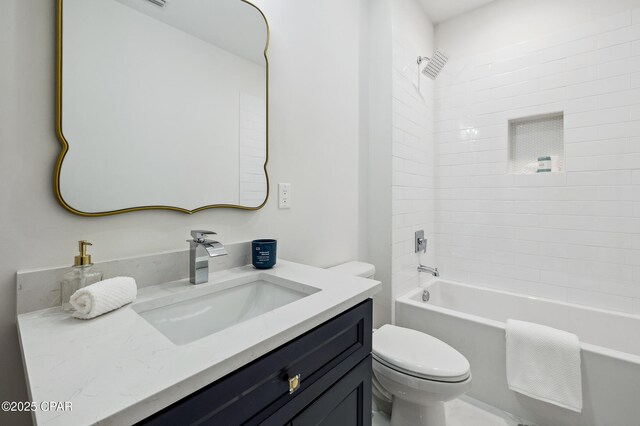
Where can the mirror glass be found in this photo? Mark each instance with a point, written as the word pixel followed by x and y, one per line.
pixel 162 104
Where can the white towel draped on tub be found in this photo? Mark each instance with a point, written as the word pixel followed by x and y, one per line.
pixel 103 296
pixel 544 363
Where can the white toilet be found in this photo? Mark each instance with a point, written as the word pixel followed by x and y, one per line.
pixel 419 372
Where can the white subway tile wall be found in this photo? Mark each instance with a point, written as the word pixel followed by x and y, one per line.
pixel 413 163
pixel 573 236
pixel 252 153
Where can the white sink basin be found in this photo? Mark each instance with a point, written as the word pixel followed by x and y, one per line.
pixel 212 308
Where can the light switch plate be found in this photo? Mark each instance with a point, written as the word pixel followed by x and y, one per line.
pixel 284 195
pixel 421 242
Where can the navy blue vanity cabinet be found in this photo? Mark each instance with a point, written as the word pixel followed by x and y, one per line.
pixel 333 362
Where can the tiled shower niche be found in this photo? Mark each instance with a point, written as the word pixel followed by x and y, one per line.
pixel 533 137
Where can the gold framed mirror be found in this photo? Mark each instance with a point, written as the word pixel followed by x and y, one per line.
pixel 161 104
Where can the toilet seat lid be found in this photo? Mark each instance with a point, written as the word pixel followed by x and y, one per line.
pixel 418 354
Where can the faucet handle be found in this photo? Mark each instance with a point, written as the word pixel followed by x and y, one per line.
pixel 200 235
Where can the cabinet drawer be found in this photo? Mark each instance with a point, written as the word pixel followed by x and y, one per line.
pixel 254 392
pixel 340 398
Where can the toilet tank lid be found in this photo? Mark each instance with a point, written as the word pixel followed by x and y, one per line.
pixel 359 269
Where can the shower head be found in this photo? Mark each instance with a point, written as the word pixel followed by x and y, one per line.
pixel 434 64
pixel 159 3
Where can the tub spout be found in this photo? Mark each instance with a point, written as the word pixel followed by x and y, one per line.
pixel 430 270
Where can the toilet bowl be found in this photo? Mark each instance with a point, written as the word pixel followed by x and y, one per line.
pixel 420 372
pixel 417 371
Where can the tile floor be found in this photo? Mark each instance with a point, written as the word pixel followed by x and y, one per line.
pixel 467 411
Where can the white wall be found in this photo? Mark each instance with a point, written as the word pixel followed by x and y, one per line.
pixel 571 236
pixel 412 144
pixel 378 159
pixel 150 98
pixel 400 151
pixel 314 144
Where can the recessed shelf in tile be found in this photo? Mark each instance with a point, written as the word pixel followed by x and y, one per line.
pixel 533 137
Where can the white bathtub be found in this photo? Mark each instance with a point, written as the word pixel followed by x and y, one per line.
pixel 472 320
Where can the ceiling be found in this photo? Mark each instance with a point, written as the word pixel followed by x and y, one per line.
pixel 231 25
pixel 441 10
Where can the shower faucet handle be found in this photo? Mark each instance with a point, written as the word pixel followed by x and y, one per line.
pixel 421 242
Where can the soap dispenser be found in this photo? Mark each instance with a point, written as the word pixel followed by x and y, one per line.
pixel 81 275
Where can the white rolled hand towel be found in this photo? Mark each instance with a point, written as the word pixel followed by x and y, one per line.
pixel 104 296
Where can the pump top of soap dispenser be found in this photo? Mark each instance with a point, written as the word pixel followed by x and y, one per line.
pixel 83 259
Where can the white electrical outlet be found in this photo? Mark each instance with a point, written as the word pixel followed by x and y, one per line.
pixel 284 195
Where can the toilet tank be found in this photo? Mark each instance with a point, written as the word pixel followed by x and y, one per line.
pixel 359 269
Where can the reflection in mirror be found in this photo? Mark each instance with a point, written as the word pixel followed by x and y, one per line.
pixel 162 103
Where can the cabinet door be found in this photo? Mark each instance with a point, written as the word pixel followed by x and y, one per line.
pixel 346 403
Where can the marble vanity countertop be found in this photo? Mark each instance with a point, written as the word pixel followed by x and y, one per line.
pixel 118 369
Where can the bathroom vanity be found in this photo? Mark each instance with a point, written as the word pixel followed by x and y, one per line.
pixel 320 378
pixel 287 346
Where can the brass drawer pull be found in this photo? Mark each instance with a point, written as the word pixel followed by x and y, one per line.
pixel 294 383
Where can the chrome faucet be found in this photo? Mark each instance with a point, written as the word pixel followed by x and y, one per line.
pixel 201 249
pixel 429 269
